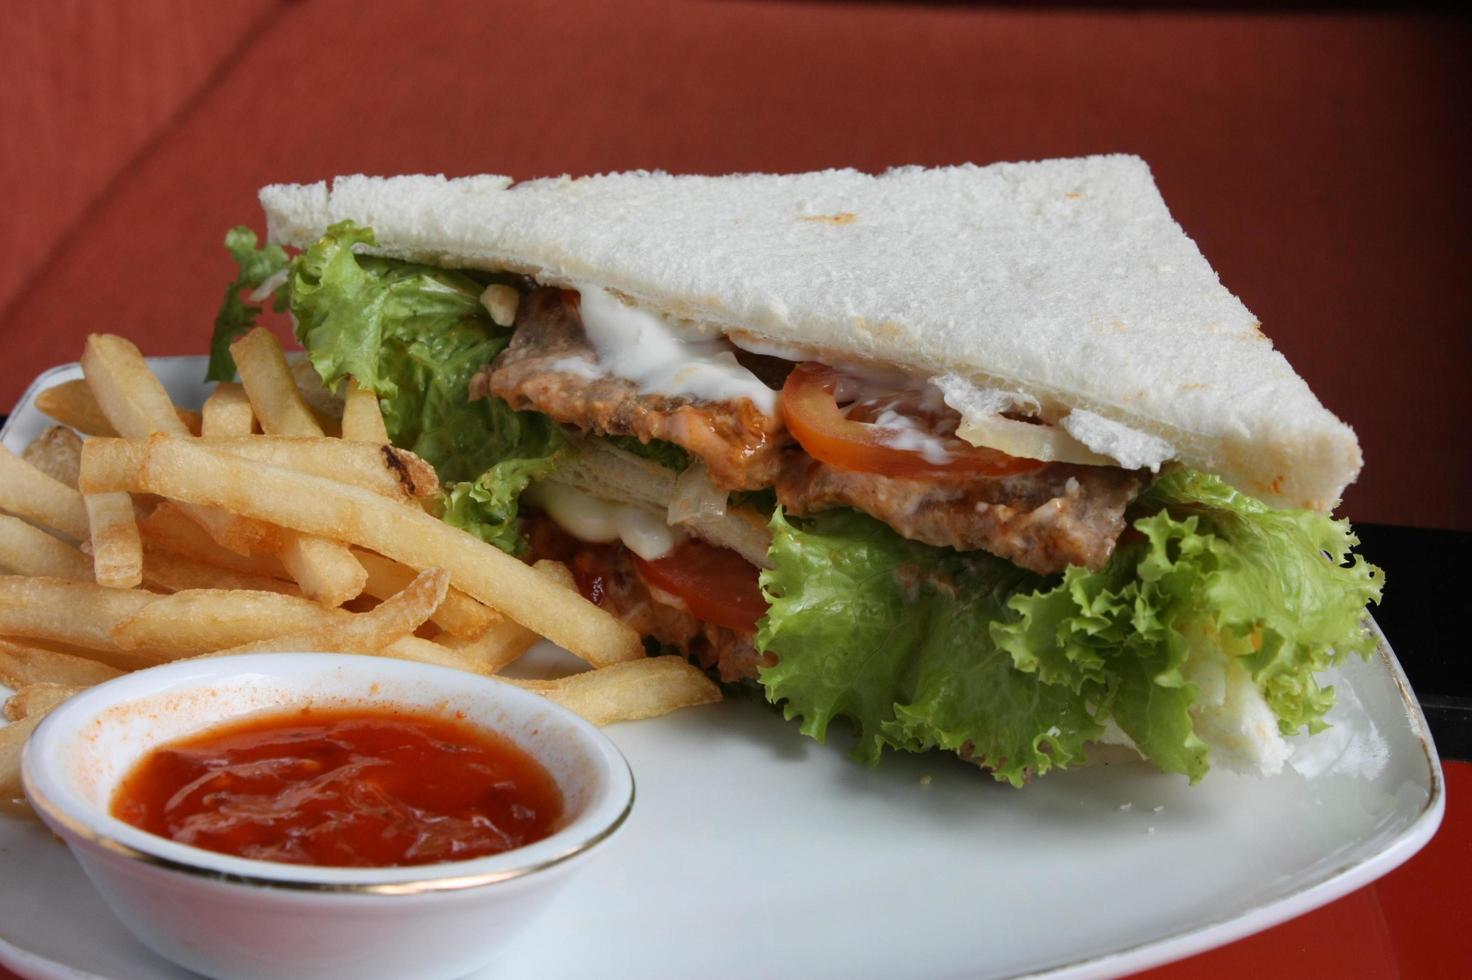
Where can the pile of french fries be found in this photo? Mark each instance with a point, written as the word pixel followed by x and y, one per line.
pixel 265 522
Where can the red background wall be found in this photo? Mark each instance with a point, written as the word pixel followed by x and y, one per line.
pixel 1314 155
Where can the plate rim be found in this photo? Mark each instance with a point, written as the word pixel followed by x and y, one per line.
pixel 1148 953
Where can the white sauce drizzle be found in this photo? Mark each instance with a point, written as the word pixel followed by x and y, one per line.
pixel 902 432
pixel 645 349
pixel 587 518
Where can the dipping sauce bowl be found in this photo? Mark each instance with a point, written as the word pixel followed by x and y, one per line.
pixel 230 917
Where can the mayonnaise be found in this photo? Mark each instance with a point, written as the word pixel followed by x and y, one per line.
pixel 902 432
pixel 643 348
pixel 587 518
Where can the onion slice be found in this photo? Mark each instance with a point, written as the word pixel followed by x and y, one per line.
pixel 1045 442
pixel 695 499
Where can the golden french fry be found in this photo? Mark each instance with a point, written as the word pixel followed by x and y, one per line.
pixel 111 465
pixel 72 403
pixel 495 648
pixel 131 397
pixel 227 412
pixel 193 421
pixel 57 452
pixel 196 620
pixel 114 464
pixel 117 549
pixel 173 528
pixel 274 396
pixel 35 700
pixel 81 614
pixel 196 473
pixel 557 573
pixel 22 664
pixel 326 570
pixel 458 615
pixel 28 550
pixel 29 493
pixel 428 652
pixel 501 644
pixel 362 418
pixel 630 691
pixel 395 473
pixel 396 618
pixel 163 569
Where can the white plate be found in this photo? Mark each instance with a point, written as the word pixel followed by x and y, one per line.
pixel 754 851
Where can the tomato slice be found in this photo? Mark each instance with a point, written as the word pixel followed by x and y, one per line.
pixel 718 585
pixel 825 431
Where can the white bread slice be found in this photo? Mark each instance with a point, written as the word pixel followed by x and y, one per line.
pixel 1066 280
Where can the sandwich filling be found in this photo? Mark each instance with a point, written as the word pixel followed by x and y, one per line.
pixel 888 452
pixel 933 592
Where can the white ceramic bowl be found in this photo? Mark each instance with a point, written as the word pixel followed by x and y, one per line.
pixel 231 917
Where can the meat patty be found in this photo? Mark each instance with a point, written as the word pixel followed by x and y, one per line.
pixel 550 367
pixel 1044 520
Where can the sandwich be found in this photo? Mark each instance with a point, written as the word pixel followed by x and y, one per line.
pixel 979 458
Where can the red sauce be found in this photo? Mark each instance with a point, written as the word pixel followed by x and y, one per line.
pixel 343 788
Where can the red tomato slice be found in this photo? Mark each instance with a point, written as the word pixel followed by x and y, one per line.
pixel 822 428
pixel 717 584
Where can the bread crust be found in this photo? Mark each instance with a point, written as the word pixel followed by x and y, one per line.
pixel 1066 280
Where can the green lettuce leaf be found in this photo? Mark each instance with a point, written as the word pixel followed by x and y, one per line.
pixel 416 335
pixel 237 315
pixel 923 647
pixel 894 636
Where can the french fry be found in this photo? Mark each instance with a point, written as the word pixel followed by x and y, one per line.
pixel 196 620
pixel 28 550
pixel 172 572
pixel 137 405
pixel 80 614
pixel 502 643
pixel 362 418
pixel 29 493
pixel 116 463
pixel 268 381
pixel 458 615
pixel 496 648
pixel 36 700
pixel 557 573
pixel 196 473
pixel 131 397
pixel 57 452
pixel 22 664
pixel 326 570
pixel 117 550
pixel 227 413
pixel 396 618
pixel 428 652
pixel 395 473
pixel 630 691
pixel 72 403
pixel 174 529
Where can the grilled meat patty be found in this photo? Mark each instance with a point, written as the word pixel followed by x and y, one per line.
pixel 549 367
pixel 1044 520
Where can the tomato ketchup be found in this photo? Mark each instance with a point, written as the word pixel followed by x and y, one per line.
pixel 343 788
